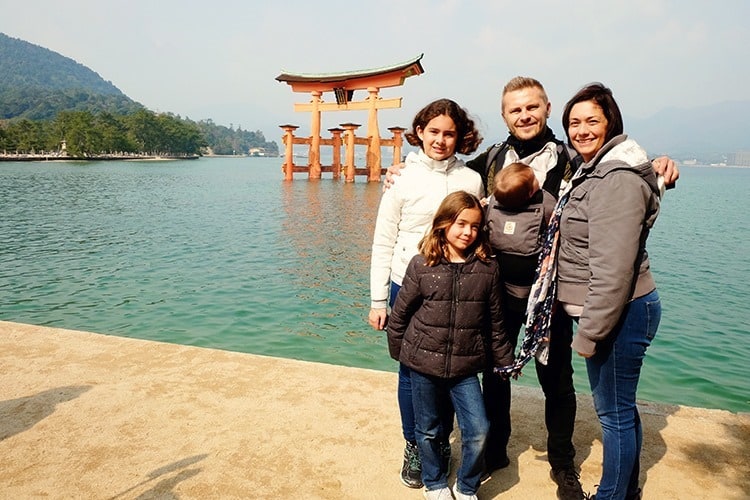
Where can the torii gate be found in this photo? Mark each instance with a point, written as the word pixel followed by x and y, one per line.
pixel 343 85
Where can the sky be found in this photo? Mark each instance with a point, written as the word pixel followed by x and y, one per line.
pixel 219 59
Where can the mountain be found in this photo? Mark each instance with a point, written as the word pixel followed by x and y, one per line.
pixel 54 91
pixel 37 83
pixel 707 133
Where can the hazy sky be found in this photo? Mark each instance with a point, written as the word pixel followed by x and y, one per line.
pixel 219 59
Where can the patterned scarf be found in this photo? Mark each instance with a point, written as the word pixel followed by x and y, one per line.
pixel 542 297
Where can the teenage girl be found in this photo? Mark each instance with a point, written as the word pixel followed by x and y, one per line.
pixel 441 129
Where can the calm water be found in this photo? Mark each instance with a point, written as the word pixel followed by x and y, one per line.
pixel 222 253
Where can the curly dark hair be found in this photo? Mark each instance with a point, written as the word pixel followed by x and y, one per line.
pixel 467 136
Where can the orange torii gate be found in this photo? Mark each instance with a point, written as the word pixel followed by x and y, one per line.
pixel 343 86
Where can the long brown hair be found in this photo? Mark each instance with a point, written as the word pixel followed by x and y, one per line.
pixel 434 245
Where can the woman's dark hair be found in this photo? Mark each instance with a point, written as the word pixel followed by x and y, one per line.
pixel 467 136
pixel 602 96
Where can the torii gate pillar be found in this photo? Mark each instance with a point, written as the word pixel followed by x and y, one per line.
pixel 314 154
pixel 373 133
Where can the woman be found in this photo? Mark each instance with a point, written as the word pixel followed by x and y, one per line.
pixel 604 280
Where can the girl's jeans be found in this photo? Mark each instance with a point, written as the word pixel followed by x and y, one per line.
pixel 405 405
pixel 430 395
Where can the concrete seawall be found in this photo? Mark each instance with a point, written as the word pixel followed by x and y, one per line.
pixel 85 415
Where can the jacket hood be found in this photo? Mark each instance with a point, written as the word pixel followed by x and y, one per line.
pixel 622 153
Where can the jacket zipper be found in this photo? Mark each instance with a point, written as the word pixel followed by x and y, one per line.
pixel 454 305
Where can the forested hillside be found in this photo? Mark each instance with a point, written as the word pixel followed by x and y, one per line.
pixel 36 83
pixel 47 99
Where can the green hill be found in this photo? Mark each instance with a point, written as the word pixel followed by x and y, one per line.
pixel 37 83
pixel 47 98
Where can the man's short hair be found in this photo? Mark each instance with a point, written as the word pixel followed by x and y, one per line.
pixel 524 82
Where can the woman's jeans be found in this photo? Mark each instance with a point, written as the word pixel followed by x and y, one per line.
pixel 429 396
pixel 613 375
pixel 405 405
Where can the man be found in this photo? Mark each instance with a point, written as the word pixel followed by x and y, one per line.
pixel 525 110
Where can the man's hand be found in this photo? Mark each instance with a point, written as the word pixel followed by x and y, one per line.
pixel 377 318
pixel 389 173
pixel 666 167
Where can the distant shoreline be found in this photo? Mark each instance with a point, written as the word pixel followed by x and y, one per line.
pixel 118 157
pixel 718 166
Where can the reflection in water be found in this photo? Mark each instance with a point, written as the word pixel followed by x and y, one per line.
pixel 328 227
pixel 325 219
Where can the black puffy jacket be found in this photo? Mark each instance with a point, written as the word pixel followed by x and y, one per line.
pixel 447 319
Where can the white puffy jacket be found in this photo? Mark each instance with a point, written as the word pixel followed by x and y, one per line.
pixel 406 212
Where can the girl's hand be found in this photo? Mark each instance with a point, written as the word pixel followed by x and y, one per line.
pixel 377 318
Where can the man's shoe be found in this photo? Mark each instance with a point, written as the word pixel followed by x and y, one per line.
pixel 462 496
pixel 445 456
pixel 411 470
pixel 568 485
pixel 439 494
pixel 486 476
pixel 493 464
pixel 635 496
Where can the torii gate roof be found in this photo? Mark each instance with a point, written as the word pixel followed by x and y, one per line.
pixel 388 76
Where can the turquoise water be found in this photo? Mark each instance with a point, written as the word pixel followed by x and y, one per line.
pixel 222 253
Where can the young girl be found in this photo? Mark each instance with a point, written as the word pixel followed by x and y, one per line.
pixel 440 129
pixel 446 326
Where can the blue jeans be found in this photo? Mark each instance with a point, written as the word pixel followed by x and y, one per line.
pixel 429 395
pixel 405 405
pixel 613 373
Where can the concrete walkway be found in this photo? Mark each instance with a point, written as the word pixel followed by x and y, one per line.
pixel 91 416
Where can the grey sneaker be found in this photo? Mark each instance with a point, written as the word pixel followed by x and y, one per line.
pixel 411 470
pixel 568 485
pixel 439 494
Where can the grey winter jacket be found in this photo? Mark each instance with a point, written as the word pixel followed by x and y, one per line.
pixel 602 261
pixel 447 319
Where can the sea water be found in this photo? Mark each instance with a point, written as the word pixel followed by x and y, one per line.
pixel 222 253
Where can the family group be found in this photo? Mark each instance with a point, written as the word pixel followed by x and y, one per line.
pixel 535 235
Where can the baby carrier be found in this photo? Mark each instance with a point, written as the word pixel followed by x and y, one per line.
pixel 519 231
pixel 516 234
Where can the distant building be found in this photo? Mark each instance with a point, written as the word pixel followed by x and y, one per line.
pixel 739 159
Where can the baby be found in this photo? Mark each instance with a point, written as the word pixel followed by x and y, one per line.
pixel 515 185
